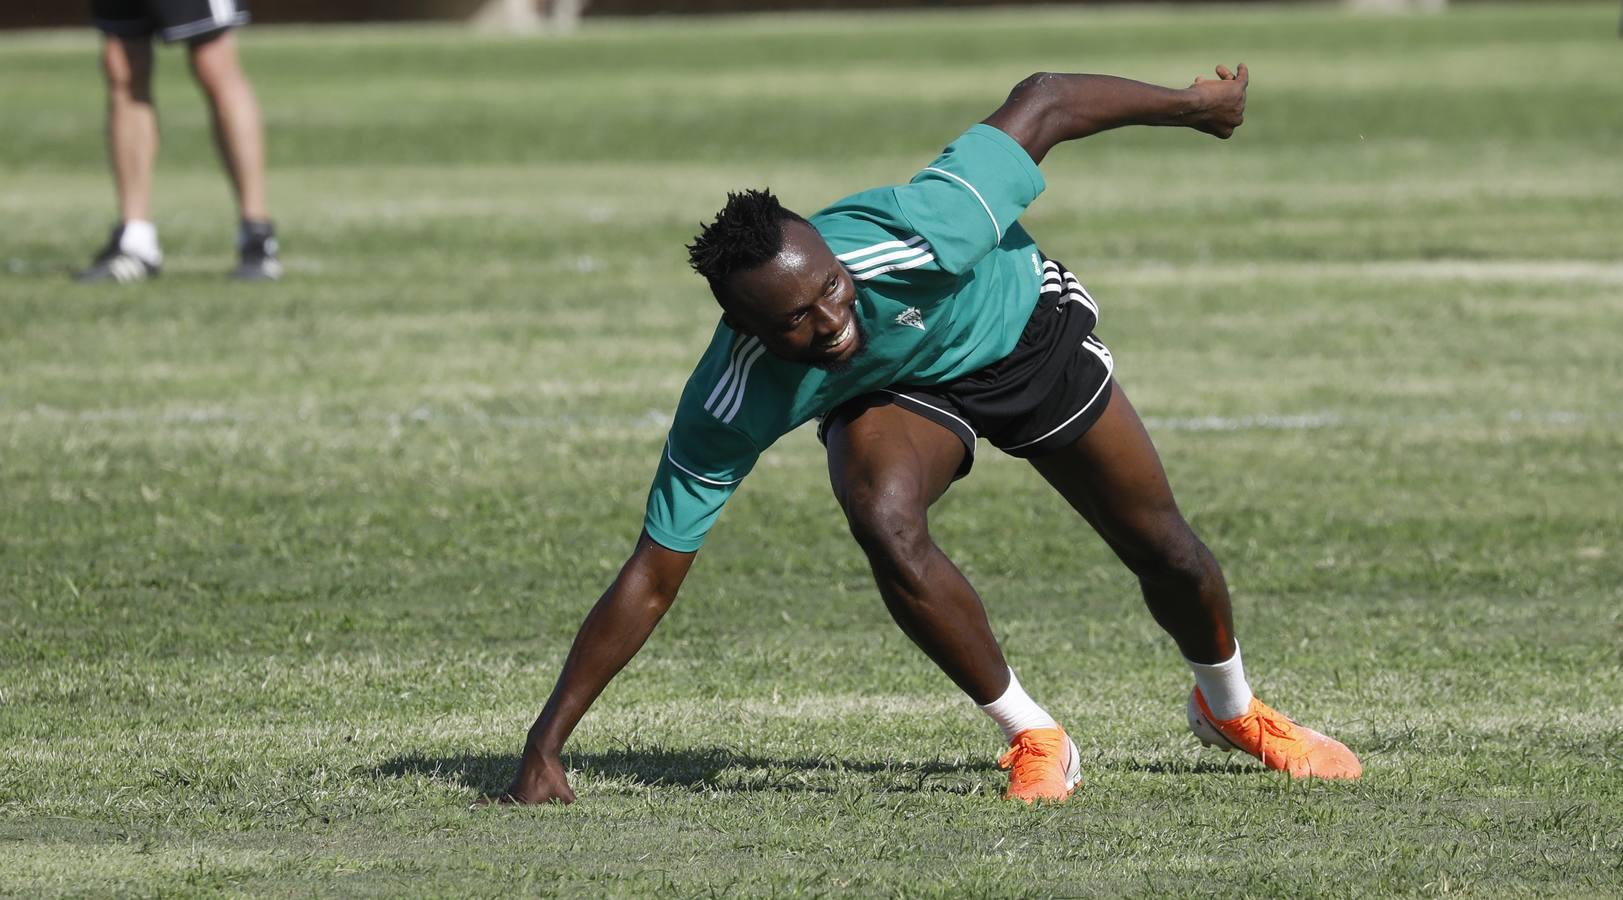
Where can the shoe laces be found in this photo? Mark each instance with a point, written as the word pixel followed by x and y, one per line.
pixel 1272 722
pixel 1033 753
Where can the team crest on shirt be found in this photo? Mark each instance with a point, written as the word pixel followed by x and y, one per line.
pixel 911 316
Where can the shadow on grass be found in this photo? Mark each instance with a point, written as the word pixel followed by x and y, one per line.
pixel 705 768
pixel 1233 765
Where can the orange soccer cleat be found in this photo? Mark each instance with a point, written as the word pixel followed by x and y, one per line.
pixel 1272 737
pixel 1043 764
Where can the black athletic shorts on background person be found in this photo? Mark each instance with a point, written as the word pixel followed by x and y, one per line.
pixel 1050 389
pixel 172 20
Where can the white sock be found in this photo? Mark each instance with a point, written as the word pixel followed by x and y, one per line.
pixel 140 239
pixel 1015 711
pixel 1223 685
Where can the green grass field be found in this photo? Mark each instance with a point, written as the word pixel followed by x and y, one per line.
pixel 286 571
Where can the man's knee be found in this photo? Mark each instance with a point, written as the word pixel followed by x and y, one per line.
pixel 127 66
pixel 890 524
pixel 1167 549
pixel 214 63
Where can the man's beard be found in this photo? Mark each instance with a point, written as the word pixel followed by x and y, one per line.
pixel 838 367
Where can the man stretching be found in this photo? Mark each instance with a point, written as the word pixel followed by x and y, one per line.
pixel 132 252
pixel 913 320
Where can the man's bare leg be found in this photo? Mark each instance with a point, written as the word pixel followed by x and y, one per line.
pixel 1113 477
pixel 238 128
pixel 131 252
pixel 132 123
pixel 888 466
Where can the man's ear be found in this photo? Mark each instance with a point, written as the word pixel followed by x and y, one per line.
pixel 727 317
pixel 733 322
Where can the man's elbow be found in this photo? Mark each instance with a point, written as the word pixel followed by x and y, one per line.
pixel 1028 115
pixel 1034 88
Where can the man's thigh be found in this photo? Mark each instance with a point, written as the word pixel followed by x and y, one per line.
pixel 880 450
pixel 1113 476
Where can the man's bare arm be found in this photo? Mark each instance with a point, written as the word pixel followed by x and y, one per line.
pixel 613 632
pixel 1049 108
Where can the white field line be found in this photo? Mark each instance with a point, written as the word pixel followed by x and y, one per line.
pixel 1327 420
pixel 1525 271
pixel 673 718
pixel 657 421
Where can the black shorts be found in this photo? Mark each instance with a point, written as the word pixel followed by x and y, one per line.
pixel 173 20
pixel 1050 389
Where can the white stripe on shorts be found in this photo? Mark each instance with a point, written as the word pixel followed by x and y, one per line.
pixel 1092 345
pixel 938 409
pixel 222 14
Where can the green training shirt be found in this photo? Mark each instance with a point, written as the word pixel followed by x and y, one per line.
pixel 946 279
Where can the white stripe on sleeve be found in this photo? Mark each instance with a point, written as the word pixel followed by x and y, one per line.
pixel 724 401
pixel 875 248
pixel 732 370
pixel 907 264
pixel 693 474
pixel 890 257
pixel 996 228
pixel 738 392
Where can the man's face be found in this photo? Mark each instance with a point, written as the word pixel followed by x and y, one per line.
pixel 801 303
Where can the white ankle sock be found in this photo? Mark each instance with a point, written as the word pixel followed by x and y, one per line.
pixel 1015 712
pixel 1223 685
pixel 140 239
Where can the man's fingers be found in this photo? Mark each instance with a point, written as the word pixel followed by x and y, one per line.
pixel 1245 74
pixel 1224 73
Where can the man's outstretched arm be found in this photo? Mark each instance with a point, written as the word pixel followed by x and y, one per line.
pixel 1048 108
pixel 613 632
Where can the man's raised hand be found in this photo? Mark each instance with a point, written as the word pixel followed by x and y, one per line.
pixel 1222 106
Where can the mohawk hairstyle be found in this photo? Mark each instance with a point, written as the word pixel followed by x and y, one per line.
pixel 748 231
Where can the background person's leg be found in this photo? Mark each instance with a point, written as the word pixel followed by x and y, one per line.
pixel 234 111
pixel 132 123
pixel 131 252
pixel 1113 477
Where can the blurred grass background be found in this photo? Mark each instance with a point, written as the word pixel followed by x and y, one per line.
pixel 285 571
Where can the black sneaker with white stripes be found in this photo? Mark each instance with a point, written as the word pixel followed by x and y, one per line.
pixel 114 264
pixel 256 253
